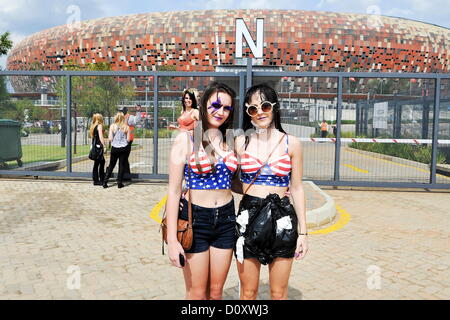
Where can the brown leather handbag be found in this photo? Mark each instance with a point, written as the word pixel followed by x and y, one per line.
pixel 185 233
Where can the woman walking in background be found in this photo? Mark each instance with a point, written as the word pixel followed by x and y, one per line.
pixel 119 135
pixel 190 113
pixel 96 133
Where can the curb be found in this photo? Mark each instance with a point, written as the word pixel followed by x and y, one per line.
pixel 443 169
pixel 323 215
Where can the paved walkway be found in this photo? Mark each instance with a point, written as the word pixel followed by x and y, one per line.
pixel 395 245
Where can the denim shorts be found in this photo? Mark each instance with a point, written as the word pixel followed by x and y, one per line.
pixel 212 226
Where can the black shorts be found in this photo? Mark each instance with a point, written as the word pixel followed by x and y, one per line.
pixel 211 226
pixel 271 231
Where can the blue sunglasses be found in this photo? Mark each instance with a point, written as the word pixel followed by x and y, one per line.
pixel 216 105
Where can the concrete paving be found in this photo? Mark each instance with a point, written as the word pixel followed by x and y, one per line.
pixel 68 239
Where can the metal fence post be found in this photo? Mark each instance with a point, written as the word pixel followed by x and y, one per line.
pixel 69 123
pixel 249 73
pixel 155 124
pixel 241 98
pixel 436 114
pixel 337 153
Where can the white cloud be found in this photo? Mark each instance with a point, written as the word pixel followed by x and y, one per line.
pixel 9 6
pixel 397 12
pixel 28 17
pixel 218 4
pixel 258 4
pixel 2 62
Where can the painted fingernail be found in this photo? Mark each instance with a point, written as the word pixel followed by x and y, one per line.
pixel 297 254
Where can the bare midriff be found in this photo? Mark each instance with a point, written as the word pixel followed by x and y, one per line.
pixel 210 198
pixel 263 191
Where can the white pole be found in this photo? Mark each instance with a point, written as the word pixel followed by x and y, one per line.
pixel 217 48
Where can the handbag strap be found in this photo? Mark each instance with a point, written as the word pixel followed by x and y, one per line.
pixel 262 166
pixel 189 190
pixel 189 200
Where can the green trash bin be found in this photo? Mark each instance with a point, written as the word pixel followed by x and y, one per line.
pixel 10 145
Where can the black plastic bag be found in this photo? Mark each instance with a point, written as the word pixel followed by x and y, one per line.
pixel 262 239
pixel 285 241
pixel 259 234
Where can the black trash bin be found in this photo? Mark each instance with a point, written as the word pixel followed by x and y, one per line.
pixel 10 145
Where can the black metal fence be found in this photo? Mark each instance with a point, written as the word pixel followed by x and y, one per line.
pixel 383 129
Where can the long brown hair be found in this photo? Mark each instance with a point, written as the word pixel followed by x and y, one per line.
pixel 213 88
pixel 97 119
pixel 119 121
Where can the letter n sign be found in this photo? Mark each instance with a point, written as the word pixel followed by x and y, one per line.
pixel 242 31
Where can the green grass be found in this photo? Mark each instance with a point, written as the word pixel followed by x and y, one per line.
pixel 145 133
pixel 37 153
pixel 421 153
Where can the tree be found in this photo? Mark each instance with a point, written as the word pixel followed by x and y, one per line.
pixel 94 94
pixel 107 92
pixel 166 81
pixel 16 110
pixel 4 95
pixel 382 86
pixel 35 113
pixel 5 43
pixel 77 95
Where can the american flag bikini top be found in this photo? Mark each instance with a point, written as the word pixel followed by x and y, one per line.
pixel 207 179
pixel 276 172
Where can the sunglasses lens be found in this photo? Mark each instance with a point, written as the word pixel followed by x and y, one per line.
pixel 266 107
pixel 252 110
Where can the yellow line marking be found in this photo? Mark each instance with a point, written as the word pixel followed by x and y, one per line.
pixel 154 213
pixel 355 168
pixel 396 163
pixel 344 218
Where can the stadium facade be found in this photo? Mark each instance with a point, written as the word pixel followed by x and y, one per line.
pixel 203 40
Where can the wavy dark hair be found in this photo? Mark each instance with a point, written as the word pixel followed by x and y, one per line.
pixel 213 88
pixel 266 93
pixel 191 96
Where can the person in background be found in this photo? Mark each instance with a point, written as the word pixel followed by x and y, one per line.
pixel 323 129
pixel 96 130
pixel 190 113
pixel 197 95
pixel 131 121
pixel 334 127
pixel 119 135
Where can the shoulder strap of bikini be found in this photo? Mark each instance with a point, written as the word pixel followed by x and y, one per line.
pixel 287 143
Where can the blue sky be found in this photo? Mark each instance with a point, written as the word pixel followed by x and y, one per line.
pixel 25 17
